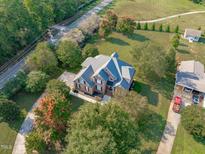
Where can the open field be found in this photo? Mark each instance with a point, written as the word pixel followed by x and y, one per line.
pixel 152 9
pixel 185 143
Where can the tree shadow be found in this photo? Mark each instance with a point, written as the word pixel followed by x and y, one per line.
pixel 117 41
pixel 145 90
pixel 166 86
pixel 138 37
pixel 183 51
pixel 202 40
pixel 183 44
pixel 199 139
pixel 151 126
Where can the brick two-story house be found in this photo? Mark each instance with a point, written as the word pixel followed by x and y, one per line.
pixel 103 74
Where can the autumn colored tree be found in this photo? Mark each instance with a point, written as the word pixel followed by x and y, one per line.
pixel 112 18
pixel 126 25
pixel 105 28
pixel 51 119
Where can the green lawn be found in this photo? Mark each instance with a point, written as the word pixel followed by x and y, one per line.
pixel 151 9
pixel 185 143
pixel 9 130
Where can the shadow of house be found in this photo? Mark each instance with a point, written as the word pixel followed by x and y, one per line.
pixel 117 41
pixel 138 37
pixel 145 90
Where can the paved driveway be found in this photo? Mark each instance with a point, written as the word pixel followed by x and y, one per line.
pixel 68 78
pixel 169 134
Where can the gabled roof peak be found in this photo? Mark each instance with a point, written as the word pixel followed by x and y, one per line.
pixel 115 55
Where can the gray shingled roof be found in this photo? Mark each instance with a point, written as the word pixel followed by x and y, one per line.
pixel 122 72
pixel 193 32
pixel 86 74
pixel 191 75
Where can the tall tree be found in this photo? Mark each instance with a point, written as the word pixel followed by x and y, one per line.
pixel 109 117
pixel 42 59
pixel 69 53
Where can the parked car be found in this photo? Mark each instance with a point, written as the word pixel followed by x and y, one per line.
pixel 177 104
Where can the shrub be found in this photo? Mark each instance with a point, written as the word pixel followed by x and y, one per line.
pixel 176 29
pixel 15 84
pixel 161 28
pixel 153 26
pixel 35 142
pixel 146 26
pixel 69 53
pixel 193 121
pixel 36 81
pixel 138 26
pixel 175 41
pixel 168 29
pixel 9 110
pixel 90 51
pixel 126 25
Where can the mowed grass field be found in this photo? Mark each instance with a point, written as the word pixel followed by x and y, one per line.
pixel 151 9
pixel 158 102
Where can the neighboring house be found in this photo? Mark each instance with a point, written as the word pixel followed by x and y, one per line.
pixel 192 35
pixel 102 75
pixel 190 82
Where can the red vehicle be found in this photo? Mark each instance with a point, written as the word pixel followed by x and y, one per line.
pixel 177 104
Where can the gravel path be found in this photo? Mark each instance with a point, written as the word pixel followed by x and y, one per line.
pixel 170 17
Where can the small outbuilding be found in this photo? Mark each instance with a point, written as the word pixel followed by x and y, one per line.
pixel 192 35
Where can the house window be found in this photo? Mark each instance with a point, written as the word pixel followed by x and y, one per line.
pixel 81 81
pixel 78 86
pixel 99 88
pixel 99 81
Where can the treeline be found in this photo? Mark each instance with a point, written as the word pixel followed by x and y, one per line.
pixel 21 21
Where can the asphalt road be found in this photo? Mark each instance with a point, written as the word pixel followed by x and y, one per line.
pixel 12 71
